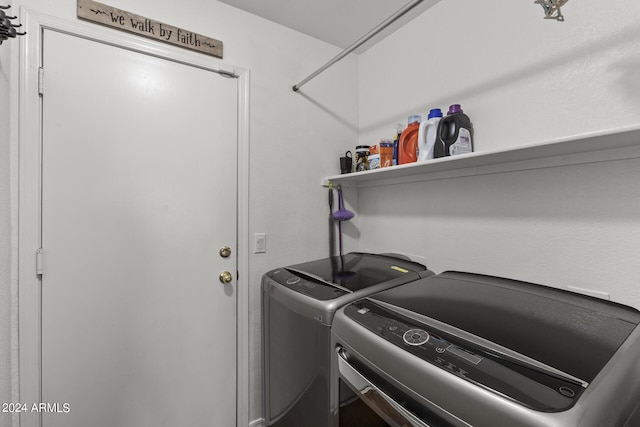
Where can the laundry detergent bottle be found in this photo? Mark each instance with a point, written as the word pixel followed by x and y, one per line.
pixel 427 135
pixel 455 134
pixel 408 145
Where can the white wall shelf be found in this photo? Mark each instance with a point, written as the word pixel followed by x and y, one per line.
pixel 608 145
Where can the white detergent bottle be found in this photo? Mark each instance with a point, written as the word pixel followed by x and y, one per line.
pixel 427 135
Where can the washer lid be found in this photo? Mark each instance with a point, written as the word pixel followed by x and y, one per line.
pixel 574 333
pixel 355 271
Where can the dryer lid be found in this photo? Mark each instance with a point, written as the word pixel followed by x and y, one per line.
pixel 355 270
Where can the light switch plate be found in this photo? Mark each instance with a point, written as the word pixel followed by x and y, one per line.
pixel 259 243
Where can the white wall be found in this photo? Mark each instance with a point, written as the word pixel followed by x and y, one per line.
pixel 522 80
pixel 294 138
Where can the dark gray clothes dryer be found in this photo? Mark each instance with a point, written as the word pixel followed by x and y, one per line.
pixel 461 349
pixel 299 302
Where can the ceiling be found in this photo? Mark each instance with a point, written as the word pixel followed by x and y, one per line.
pixel 337 22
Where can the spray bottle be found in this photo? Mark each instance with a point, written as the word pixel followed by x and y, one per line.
pixel 396 142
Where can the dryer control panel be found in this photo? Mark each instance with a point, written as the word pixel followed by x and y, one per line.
pixel 528 385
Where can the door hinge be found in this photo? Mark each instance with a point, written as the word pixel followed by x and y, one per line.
pixel 40 81
pixel 39 261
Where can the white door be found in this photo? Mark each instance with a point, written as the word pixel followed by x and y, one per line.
pixel 138 196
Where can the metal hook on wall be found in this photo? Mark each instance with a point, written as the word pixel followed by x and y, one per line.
pixel 8 28
pixel 552 8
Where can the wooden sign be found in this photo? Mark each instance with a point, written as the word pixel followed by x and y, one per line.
pixel 126 21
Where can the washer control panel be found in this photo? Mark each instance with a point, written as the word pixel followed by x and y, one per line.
pixel 306 285
pixel 525 384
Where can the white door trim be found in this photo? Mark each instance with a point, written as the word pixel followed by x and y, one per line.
pixel 29 191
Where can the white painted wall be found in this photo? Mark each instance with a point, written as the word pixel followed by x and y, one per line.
pixel 294 138
pixel 522 80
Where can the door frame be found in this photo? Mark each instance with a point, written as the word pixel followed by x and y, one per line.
pixel 30 186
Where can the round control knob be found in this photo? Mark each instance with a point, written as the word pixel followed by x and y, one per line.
pixel 416 337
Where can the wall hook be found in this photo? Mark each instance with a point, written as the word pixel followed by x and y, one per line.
pixel 552 8
pixel 8 28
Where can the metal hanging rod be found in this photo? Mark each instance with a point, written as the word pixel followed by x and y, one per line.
pixel 390 20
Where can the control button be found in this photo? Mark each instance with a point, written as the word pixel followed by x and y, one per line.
pixel 440 350
pixel 566 391
pixel 415 337
pixel 293 280
pixel 363 311
pixel 393 328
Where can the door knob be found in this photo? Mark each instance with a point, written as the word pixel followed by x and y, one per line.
pixel 225 251
pixel 226 277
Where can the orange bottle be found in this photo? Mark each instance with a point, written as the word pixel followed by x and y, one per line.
pixel 408 145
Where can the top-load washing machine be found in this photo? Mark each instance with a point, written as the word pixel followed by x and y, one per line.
pixel 461 349
pixel 299 302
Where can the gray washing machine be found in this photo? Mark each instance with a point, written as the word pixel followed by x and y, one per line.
pixel 299 302
pixel 461 349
